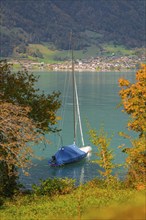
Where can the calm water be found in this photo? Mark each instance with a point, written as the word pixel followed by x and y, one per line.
pixel 98 98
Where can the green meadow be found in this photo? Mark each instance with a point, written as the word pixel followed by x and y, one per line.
pixel 89 201
pixel 47 53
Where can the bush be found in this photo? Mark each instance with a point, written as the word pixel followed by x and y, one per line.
pixel 112 183
pixel 54 186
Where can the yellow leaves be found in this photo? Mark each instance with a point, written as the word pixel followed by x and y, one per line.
pixel 104 155
pixel 124 135
pixel 134 102
pixel 58 118
pixel 141 74
pixel 134 99
pixel 123 82
pixel 136 162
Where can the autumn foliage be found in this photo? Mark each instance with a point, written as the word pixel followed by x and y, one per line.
pixel 134 100
pixel 104 154
pixel 25 115
pixel 17 132
pixel 134 103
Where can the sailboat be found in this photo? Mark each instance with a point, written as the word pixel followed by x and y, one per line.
pixel 72 153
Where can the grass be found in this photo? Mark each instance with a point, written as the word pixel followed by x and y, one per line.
pixel 52 55
pixel 117 50
pixel 86 202
pixel 49 55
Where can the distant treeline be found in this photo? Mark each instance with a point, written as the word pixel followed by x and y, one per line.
pixel 92 22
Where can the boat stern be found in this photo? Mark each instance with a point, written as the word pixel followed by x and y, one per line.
pixel 86 149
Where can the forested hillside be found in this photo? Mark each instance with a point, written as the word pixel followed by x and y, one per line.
pixel 93 22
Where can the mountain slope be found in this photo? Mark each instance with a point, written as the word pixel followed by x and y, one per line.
pixel 92 22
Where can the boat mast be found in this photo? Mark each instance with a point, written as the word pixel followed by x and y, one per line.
pixel 79 116
pixel 74 107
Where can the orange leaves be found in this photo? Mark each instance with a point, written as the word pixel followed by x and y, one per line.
pixel 17 130
pixel 124 82
pixel 141 74
pixel 21 126
pixel 134 100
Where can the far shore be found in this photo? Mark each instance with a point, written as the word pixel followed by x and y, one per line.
pixel 97 64
pixel 69 70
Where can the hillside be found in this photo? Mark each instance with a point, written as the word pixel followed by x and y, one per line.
pixel 50 21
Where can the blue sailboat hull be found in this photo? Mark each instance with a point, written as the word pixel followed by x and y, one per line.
pixel 67 154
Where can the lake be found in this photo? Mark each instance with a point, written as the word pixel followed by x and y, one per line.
pixel 98 99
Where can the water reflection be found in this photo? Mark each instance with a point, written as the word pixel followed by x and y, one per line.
pixel 82 172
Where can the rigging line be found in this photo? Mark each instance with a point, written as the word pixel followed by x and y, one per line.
pixel 78 112
pixel 60 140
pixel 65 92
pixel 64 100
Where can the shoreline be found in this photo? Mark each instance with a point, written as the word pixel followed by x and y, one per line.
pixel 97 64
pixel 76 70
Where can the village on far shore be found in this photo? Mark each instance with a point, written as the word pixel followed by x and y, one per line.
pixel 98 64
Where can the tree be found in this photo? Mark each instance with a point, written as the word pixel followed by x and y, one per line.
pixel 19 88
pixel 17 132
pixel 133 98
pixel 105 156
pixel 25 114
